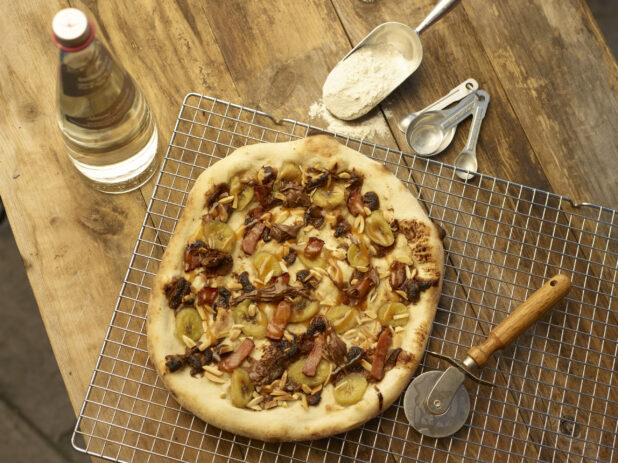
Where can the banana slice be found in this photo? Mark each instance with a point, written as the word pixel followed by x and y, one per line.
pixel 328 198
pixel 350 389
pixel 219 235
pixel 295 373
pixel 378 229
pixel 290 171
pixel 266 264
pixel 358 256
pixel 303 309
pixel 392 313
pixel 189 323
pixel 241 388
pixel 342 317
pixel 244 198
pixel 252 325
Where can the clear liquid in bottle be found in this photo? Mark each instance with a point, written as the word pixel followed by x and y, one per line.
pixel 105 121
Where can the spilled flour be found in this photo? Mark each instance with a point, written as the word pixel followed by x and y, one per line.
pixel 361 81
pixel 366 127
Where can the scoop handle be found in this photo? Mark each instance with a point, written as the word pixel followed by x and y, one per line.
pixel 438 11
pixel 521 318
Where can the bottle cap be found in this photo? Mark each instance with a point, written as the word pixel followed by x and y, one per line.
pixel 72 31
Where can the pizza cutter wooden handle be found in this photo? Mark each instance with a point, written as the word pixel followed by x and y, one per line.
pixel 521 318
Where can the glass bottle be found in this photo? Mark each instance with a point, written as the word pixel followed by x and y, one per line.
pixel 105 121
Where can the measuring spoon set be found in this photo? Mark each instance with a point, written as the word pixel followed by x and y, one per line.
pixel 430 130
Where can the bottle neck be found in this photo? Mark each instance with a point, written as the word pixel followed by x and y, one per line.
pixel 87 70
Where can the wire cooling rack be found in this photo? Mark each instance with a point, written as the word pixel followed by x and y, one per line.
pixel 554 394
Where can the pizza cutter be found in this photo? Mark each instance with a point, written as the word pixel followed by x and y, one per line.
pixel 437 403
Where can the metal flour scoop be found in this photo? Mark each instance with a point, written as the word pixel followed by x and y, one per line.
pixel 436 403
pixel 406 40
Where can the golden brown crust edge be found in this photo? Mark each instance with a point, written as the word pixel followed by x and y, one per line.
pixel 294 423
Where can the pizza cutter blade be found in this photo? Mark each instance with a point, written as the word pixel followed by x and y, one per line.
pixel 437 403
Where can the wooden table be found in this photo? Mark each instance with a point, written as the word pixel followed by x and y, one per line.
pixel 551 124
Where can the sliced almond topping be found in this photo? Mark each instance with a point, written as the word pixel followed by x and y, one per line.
pixel 252 310
pixel 266 216
pixel 384 274
pixel 234 333
pixel 358 223
pixel 388 216
pixel 284 379
pixel 205 343
pixel 268 276
pixel 366 365
pixel 363 269
pixel 303 399
pixel 255 401
pixel 402 294
pixel 225 349
pixel 201 312
pixel 234 285
pixel 284 404
pixel 239 232
pixel 367 210
pixel 256 394
pixel 226 199
pixel 344 175
pixel 214 379
pixel 401 316
pixel 316 389
pixel 283 215
pixel 287 335
pixel 235 202
pixel 374 294
pixel 271 404
pixel 408 273
pixel 278 393
pixel 209 309
pixel 340 386
pixel 283 267
pixel 306 389
pixel 414 273
pixel 366 332
pixel 371 315
pixel 188 341
pixel 257 408
pixel 279 195
pixel 212 370
pixel 398 329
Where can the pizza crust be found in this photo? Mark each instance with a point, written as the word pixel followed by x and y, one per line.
pixel 203 397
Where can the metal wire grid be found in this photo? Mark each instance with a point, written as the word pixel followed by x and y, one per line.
pixel 554 393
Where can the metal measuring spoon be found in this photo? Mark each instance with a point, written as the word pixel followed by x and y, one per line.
pixel 406 40
pixel 461 91
pixel 466 160
pixel 431 132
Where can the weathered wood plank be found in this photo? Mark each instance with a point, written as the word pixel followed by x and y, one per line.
pixel 562 82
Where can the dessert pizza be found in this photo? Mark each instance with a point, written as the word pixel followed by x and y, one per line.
pixel 297 293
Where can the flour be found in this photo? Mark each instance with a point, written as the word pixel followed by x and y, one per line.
pixel 367 127
pixel 365 78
